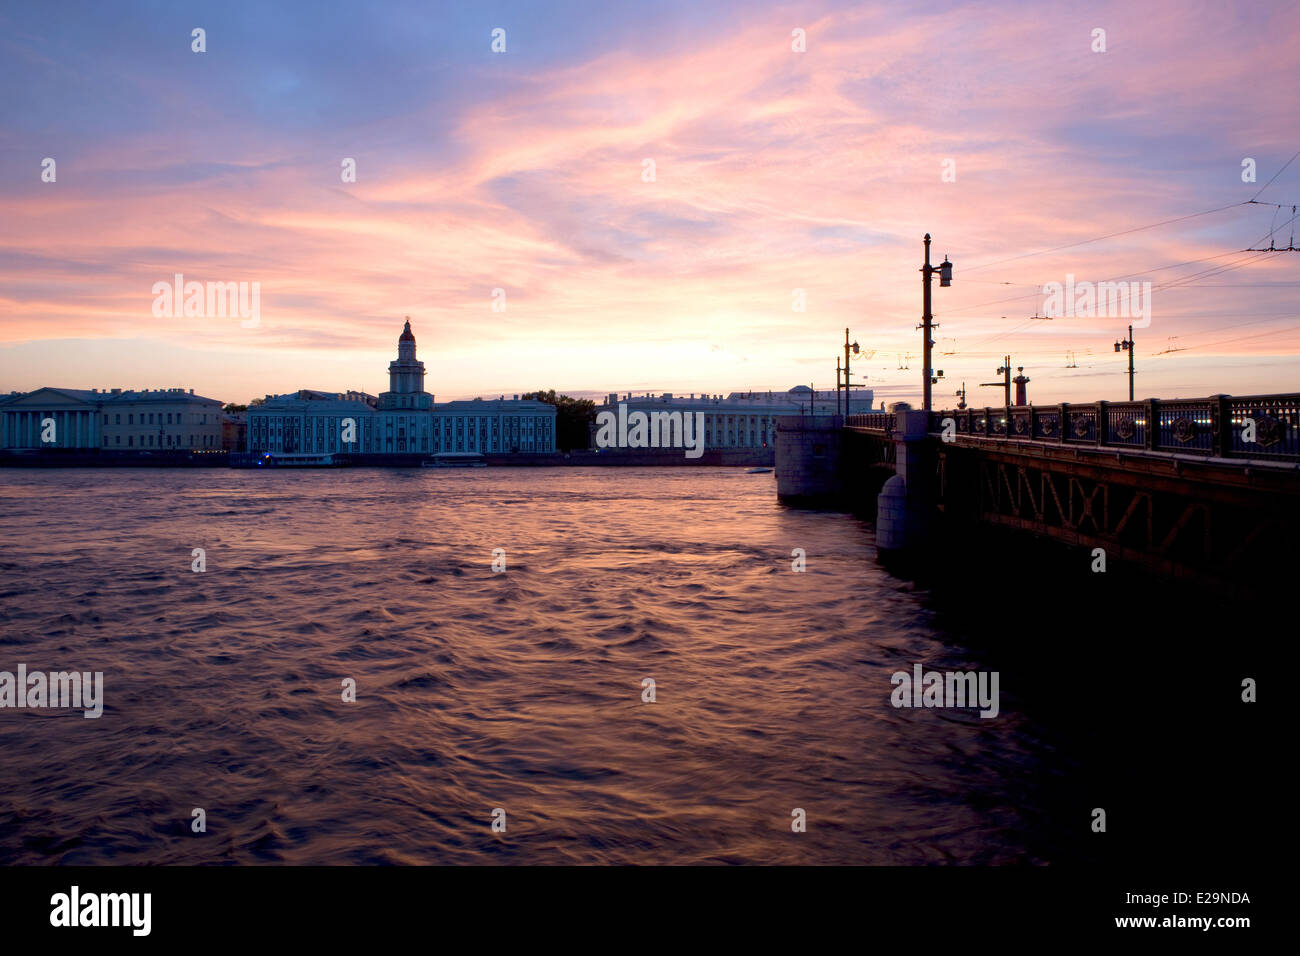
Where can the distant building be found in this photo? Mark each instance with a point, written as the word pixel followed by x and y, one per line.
pixel 114 419
pixel 403 420
pixel 234 430
pixel 741 419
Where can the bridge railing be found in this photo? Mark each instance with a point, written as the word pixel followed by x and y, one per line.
pixel 1261 427
pixel 882 422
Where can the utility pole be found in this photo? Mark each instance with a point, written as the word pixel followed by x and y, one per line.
pixel 927 318
pixel 1005 384
pixel 1127 346
pixel 837 386
pixel 848 389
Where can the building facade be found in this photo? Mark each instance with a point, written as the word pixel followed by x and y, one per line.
pixel 741 419
pixel 403 420
pixel 167 419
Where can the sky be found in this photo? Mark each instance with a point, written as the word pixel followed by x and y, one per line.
pixel 668 196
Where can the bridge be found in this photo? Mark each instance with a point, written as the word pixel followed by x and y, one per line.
pixel 1203 488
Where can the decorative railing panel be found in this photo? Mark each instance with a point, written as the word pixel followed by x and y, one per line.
pixel 1047 424
pixel 1276 427
pixel 1126 424
pixel 1187 426
pixel 1081 424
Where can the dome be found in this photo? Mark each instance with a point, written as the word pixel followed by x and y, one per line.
pixel 407 335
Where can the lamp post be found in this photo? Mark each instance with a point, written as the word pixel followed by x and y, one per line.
pixel 847 387
pixel 837 386
pixel 927 318
pixel 1126 345
pixel 1005 384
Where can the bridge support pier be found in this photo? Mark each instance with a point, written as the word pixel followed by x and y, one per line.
pixel 903 508
pixel 808 460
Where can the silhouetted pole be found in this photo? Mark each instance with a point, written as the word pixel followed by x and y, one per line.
pixel 927 317
pixel 1127 346
pixel 837 385
pixel 848 387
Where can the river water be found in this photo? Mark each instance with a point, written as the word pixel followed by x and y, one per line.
pixel 475 690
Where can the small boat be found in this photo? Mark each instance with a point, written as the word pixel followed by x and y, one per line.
pixel 455 459
pixel 757 471
pixel 275 460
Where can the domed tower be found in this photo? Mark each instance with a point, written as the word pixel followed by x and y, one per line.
pixel 406 375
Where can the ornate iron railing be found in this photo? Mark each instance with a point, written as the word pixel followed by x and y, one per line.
pixel 882 422
pixel 1258 427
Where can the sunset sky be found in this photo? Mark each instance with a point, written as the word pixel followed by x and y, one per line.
pixel 775 170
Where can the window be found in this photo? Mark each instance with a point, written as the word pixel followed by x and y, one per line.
pixel 117 419
pixel 105 422
pixel 130 419
pixel 118 439
pixel 130 440
pixel 169 418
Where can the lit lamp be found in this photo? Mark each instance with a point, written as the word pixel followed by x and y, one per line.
pixel 928 324
pixel 1126 345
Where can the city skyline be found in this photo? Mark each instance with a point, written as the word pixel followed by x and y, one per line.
pixel 774 171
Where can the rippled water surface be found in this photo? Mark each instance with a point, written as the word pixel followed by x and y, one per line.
pixel 476 690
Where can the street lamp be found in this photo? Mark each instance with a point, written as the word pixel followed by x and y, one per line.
pixel 849 347
pixel 1005 371
pixel 1126 345
pixel 927 319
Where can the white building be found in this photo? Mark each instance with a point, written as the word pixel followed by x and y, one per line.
pixel 741 419
pixel 151 419
pixel 403 420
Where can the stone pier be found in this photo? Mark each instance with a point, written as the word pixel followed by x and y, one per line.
pixel 808 459
pixel 903 509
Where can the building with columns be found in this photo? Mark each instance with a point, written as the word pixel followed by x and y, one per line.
pixel 741 419
pixel 115 420
pixel 403 420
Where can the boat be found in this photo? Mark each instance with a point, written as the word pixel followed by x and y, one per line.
pixel 278 460
pixel 455 459
pixel 757 471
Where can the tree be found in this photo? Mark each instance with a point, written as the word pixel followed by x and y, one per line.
pixel 573 418
pixel 232 408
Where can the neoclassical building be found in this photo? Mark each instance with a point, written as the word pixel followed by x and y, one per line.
pixel 117 420
pixel 741 419
pixel 403 420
